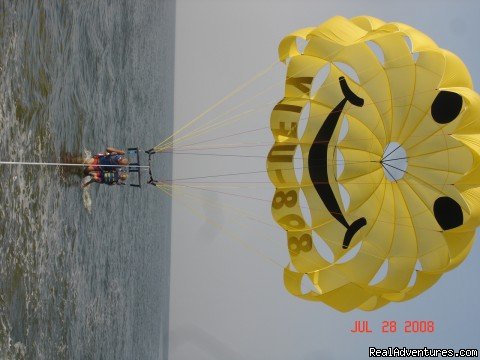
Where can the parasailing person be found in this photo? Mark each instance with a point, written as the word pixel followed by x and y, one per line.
pixel 110 177
pixel 112 159
pixel 106 168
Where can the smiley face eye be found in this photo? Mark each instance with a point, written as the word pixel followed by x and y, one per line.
pixel 448 213
pixel 446 107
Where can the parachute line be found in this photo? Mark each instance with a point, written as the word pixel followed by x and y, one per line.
pixel 221 101
pixel 66 164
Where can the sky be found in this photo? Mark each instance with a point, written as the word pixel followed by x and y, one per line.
pixel 228 300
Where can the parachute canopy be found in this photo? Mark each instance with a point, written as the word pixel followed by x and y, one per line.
pixel 390 154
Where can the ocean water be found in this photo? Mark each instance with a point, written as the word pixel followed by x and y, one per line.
pixel 80 283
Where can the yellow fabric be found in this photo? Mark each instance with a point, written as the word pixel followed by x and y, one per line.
pixel 403 234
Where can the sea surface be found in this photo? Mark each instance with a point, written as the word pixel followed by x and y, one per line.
pixel 80 280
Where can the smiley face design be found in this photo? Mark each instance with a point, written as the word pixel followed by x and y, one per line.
pixel 374 163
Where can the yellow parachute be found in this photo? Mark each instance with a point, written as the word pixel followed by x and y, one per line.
pixel 400 116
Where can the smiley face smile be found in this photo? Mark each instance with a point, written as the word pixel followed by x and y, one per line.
pixel 318 167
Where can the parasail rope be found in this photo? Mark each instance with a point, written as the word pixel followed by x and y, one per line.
pixel 235 118
pixel 209 128
pixel 67 164
pixel 222 100
pixel 169 191
pixel 269 144
pixel 248 215
pixel 177 187
pixel 164 145
pixel 226 136
pixel 233 235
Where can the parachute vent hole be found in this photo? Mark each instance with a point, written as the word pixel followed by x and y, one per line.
pixel 340 162
pixel 418 266
pixel 348 70
pixel 298 164
pixel 302 201
pixel 409 43
pixel 350 254
pixel 301 44
pixel 345 196
pixel 291 267
pixel 307 285
pixel 343 130
pixel 303 120
pixel 394 161
pixel 377 50
pixel 380 275
pixel 413 279
pixel 322 248
pixel 319 79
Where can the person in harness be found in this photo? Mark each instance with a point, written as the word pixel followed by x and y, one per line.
pixel 112 159
pixel 106 168
pixel 111 177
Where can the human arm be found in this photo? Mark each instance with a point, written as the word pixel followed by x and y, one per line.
pixel 114 150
